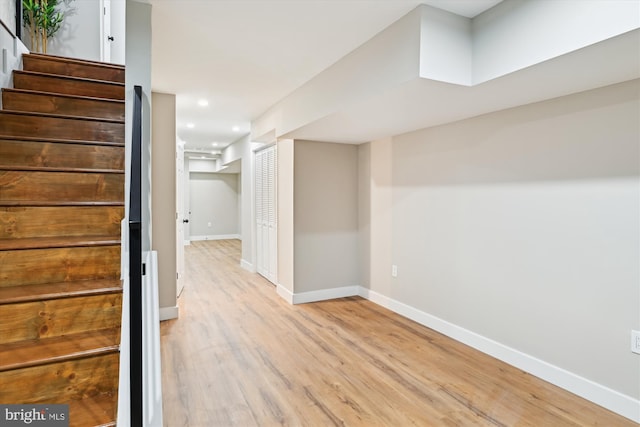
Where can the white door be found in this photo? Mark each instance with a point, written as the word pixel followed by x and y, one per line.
pixel 107 37
pixel 180 219
pixel 266 209
pixel 186 210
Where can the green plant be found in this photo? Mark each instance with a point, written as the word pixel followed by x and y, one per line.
pixel 43 19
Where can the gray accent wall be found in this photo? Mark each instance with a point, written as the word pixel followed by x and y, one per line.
pixel 521 226
pixel 213 199
pixel 163 194
pixel 325 216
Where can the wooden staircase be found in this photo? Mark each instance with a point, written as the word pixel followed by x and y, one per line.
pixel 61 203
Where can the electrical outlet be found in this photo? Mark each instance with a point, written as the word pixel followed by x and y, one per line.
pixel 208 224
pixel 635 341
pixel 394 270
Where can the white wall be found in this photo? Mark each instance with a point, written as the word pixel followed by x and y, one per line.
pixel 242 150
pixel 80 35
pixel 517 34
pixel 213 200
pixel 8 14
pixel 14 49
pixel 325 204
pixel 520 226
pixel 389 59
pixel 118 31
pixel 138 72
pixel 446 49
pixel 202 165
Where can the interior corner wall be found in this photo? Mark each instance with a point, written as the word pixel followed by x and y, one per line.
pixel 375 214
pixel 522 226
pixel 213 204
pixel 163 189
pixel 325 216
pixel 242 150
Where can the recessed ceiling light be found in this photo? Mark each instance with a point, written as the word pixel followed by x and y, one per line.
pixel 215 144
pixel 190 125
pixel 203 102
pixel 236 129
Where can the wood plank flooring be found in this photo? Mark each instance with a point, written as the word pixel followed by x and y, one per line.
pixel 239 355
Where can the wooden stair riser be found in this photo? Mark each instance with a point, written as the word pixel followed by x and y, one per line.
pixel 30 154
pixel 53 318
pixel 61 186
pixel 20 124
pixel 70 86
pixel 99 411
pixel 75 68
pixel 61 382
pixel 60 104
pixel 38 266
pixel 60 221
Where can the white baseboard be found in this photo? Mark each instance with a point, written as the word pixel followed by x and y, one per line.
pixel 246 265
pixel 284 293
pixel 614 401
pixel 216 237
pixel 187 242
pixel 325 294
pixel 167 313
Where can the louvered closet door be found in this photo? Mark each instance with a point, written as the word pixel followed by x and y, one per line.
pixel 266 212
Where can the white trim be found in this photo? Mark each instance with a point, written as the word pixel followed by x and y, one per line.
pixel 246 265
pixel 265 146
pixel 167 313
pixel 614 401
pixel 285 293
pixel 217 237
pixel 325 294
pixel 187 242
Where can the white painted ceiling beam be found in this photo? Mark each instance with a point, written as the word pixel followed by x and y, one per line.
pixel 432 67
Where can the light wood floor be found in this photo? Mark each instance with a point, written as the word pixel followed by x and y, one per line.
pixel 239 355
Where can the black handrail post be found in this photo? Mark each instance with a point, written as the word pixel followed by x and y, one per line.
pixel 19 19
pixel 135 263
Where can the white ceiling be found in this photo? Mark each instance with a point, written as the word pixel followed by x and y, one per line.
pixel 243 56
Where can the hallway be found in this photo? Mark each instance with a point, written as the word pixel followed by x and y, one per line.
pixel 239 355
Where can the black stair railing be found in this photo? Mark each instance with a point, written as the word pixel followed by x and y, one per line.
pixel 19 19
pixel 135 263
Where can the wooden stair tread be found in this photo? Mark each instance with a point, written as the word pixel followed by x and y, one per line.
pixel 59 116
pixel 74 60
pixel 63 95
pixel 65 77
pixel 23 354
pixel 56 169
pixel 12 203
pixel 57 242
pixel 47 291
pixel 59 140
